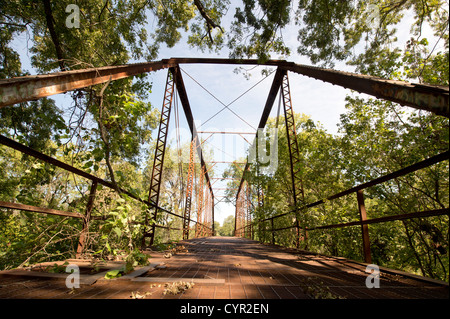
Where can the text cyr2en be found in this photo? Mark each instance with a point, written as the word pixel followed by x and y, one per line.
pixel 229 308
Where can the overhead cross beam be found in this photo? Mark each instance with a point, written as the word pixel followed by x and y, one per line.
pixel 33 87
pixel 419 96
pixel 27 88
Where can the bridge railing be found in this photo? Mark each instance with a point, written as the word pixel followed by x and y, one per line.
pixel 267 226
pixel 95 181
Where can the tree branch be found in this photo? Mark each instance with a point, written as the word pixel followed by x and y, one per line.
pixel 54 36
pixel 210 23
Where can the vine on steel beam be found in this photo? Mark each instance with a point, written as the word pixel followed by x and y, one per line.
pixel 158 162
pixel 239 219
pixel 199 226
pixel 86 220
pixel 294 153
pixel 248 219
pixel 189 187
pixel 207 214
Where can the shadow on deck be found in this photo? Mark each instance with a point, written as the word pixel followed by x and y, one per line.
pixel 229 268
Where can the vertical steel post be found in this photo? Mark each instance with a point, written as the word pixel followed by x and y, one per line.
pixel 158 162
pixel 87 218
pixel 273 232
pixel 364 227
pixel 212 214
pixel 294 153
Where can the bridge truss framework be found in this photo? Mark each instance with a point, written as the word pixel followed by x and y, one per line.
pixel 419 96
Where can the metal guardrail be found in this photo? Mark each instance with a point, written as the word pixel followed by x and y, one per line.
pixel 363 221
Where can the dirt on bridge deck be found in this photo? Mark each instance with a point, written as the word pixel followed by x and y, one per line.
pixel 226 268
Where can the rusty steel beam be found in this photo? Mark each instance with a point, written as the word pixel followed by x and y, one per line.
pixel 425 97
pixel 36 209
pixel 431 98
pixel 28 88
pixel 364 227
pixel 48 159
pixel 427 213
pixel 200 204
pixel 189 188
pixel 401 172
pixel 419 96
pixel 294 152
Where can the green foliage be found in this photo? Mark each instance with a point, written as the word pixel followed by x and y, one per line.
pixel 115 273
pixel 227 229
pixel 105 129
pixel 133 259
pixel 57 269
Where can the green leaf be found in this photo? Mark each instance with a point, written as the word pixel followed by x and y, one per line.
pixel 116 273
pixel 117 231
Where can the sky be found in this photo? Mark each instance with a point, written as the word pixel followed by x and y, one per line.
pixel 321 101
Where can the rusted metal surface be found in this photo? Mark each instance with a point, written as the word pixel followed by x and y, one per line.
pixel 363 221
pixel 200 193
pixel 189 188
pixel 233 268
pixel 207 215
pixel 158 161
pixel 35 209
pixel 298 194
pixel 364 227
pixel 48 159
pixel 427 213
pixel 401 172
pixel 28 88
pixel 423 97
pixel 426 97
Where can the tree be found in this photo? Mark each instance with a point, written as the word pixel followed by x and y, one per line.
pixel 107 130
pixel 227 229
